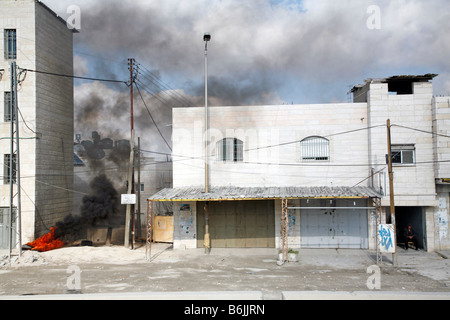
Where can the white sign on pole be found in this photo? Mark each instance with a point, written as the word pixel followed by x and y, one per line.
pixel 128 199
pixel 386 238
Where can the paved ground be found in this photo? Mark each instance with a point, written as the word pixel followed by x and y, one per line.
pixel 252 272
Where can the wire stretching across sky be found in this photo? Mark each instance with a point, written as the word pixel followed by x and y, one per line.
pixel 75 77
pixel 150 114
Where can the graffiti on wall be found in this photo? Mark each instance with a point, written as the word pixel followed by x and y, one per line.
pixel 186 219
pixel 386 238
pixel 442 219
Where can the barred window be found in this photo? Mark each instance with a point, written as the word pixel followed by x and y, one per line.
pixel 315 149
pixel 403 154
pixel 10 44
pixel 6 171
pixel 230 150
pixel 7 107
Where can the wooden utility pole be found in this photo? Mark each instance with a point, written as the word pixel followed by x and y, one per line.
pixel 131 190
pixel 391 191
pixel 138 216
pixel 131 68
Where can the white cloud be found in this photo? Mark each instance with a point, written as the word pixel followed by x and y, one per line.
pixel 80 65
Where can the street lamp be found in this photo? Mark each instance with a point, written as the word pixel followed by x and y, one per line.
pixel 206 39
pixel 207 237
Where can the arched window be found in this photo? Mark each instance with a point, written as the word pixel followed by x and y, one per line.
pixel 230 150
pixel 315 149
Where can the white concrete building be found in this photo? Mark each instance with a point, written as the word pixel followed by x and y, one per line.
pixel 37 39
pixel 330 158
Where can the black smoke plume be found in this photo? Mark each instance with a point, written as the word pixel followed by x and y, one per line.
pixel 103 203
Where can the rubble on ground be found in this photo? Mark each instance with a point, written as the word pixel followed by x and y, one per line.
pixel 29 258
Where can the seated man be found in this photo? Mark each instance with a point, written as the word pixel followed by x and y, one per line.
pixel 410 236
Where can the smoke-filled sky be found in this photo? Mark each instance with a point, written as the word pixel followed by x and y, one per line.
pixel 262 51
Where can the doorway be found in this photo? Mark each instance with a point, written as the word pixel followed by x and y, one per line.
pixel 238 224
pixel 415 216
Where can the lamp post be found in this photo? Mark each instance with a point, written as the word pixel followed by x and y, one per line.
pixel 206 38
pixel 207 238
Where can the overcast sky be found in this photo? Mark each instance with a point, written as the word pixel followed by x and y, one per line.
pixel 265 51
pixel 262 51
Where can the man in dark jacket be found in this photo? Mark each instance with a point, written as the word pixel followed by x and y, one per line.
pixel 410 236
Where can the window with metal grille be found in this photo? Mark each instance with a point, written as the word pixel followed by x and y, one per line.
pixel 10 44
pixel 315 149
pixel 6 171
pixel 7 107
pixel 403 154
pixel 230 150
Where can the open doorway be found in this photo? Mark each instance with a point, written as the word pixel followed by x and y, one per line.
pixel 415 216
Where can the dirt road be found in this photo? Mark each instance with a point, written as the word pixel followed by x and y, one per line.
pixel 116 270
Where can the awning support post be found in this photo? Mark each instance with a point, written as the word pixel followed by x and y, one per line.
pixel 207 240
pixel 148 245
pixel 377 203
pixel 284 230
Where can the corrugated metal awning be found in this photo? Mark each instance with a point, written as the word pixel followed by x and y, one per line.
pixel 264 193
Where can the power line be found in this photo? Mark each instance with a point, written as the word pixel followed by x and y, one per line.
pixel 74 77
pixel 150 114
pixel 420 130
pixel 327 136
pixel 155 79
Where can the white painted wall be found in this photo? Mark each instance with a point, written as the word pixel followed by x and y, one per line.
pixel 352 154
pixel 262 126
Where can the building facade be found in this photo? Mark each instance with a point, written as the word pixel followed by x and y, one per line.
pixel 37 39
pixel 316 156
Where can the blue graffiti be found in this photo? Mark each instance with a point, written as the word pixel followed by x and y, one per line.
pixel 385 238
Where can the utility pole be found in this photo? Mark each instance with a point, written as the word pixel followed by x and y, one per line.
pixel 131 190
pixel 391 191
pixel 138 217
pixel 131 62
pixel 14 168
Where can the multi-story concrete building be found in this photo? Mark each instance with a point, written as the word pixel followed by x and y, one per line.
pixel 329 160
pixel 37 39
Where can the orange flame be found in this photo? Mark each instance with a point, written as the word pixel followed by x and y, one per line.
pixel 47 242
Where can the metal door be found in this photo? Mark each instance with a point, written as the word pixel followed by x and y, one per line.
pixel 238 224
pixel 4 228
pixel 345 229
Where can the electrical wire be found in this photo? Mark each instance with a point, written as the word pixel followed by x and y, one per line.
pixel 419 130
pixel 153 78
pixel 150 114
pixel 327 136
pixel 75 77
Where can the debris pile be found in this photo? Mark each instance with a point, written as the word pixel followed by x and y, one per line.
pixel 28 259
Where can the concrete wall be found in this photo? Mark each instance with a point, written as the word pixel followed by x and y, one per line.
pixel 414 185
pixel 354 153
pixel 262 126
pixel 20 15
pixel 54 105
pixel 46 103
pixel 440 215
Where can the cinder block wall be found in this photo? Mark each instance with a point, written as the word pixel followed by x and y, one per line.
pixel 54 119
